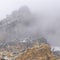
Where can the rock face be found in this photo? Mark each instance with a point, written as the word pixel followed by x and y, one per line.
pixel 17 27
pixel 42 52
pixel 13 27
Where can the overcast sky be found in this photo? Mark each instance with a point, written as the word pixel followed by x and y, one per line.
pixel 7 6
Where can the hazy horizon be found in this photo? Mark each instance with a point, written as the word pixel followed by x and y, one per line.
pixel 46 6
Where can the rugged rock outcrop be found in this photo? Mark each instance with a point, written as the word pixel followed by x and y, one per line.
pixel 42 52
pixel 19 26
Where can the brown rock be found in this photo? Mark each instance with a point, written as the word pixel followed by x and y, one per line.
pixel 42 52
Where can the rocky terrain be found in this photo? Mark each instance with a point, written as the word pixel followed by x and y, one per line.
pixel 21 40
pixel 42 52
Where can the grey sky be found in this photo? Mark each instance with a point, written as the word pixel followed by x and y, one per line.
pixel 7 6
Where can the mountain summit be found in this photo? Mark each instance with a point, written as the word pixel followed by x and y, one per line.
pixel 18 26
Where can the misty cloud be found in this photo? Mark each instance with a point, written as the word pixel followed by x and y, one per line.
pixel 46 12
